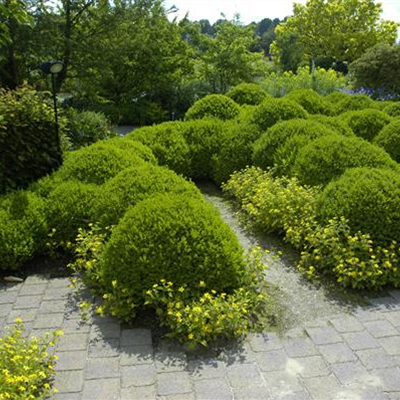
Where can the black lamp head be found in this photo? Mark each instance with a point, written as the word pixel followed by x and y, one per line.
pixel 52 67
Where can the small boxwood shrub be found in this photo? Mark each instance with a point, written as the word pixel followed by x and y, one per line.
pixel 336 123
pixel 22 228
pixel 311 101
pixel 97 163
pixel 275 137
pixel 389 139
pixel 269 112
pixel 328 157
pixel 172 237
pixel 133 185
pixel 213 106
pixel 336 97
pixel 369 198
pixel 366 123
pixel 134 148
pixel 247 93
pixel 354 102
pixel 392 109
pixel 167 143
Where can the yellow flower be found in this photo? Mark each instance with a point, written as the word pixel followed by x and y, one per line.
pixel 18 320
pixel 190 336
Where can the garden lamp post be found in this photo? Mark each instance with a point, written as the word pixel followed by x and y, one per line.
pixel 54 68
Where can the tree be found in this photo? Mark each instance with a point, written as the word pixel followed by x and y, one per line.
pixel 341 30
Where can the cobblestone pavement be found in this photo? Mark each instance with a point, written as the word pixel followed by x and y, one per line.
pixel 352 356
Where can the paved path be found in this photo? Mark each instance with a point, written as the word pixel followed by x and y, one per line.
pixel 354 356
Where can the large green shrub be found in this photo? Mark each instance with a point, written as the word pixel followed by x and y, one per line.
pixel 354 102
pixel 366 123
pixel 133 185
pixel 393 109
pixel 335 123
pixel 369 198
pixel 311 101
pixel 272 111
pixel 214 106
pixel 22 228
pixel 173 237
pixel 336 97
pixel 389 139
pixel 29 145
pixel 247 93
pixel 328 157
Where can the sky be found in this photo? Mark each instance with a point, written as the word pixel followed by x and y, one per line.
pixel 255 10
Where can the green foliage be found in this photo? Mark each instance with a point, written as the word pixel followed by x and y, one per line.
pixel 354 102
pixel 336 96
pixel 335 123
pixel 97 163
pixel 133 185
pixel 328 157
pixel 214 106
pixel 311 101
pixel 29 145
pixel 247 93
pixel 393 109
pixel 22 228
pixel 369 199
pixel 272 111
pixel 172 237
pixel 26 365
pixel 366 123
pixel 389 139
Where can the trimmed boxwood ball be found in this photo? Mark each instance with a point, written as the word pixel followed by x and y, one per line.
pixel 167 143
pixel 213 106
pixel 354 102
pixel 97 163
pixel 247 93
pixel 393 109
pixel 269 112
pixel 389 139
pixel 22 228
pixel 311 101
pixel 326 158
pixel 369 198
pixel 69 207
pixel 366 123
pixel 335 123
pixel 336 97
pixel 173 237
pixel 133 185
pixel 275 137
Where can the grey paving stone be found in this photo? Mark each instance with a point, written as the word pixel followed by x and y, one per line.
pixel 173 383
pixel 240 375
pixel 58 283
pixel 364 314
pixel 57 294
pixel 71 360
pixel 104 348
pixel 66 396
pixel 35 280
pixel 390 379
pixel 73 342
pixel 337 353
pixel 184 396
pixel 323 388
pixel 360 340
pixel 393 396
pixel 242 353
pixel 56 306
pixel 272 360
pixel 48 321
pixel 324 335
pixel 170 361
pixel 31 290
pixel 393 317
pixel 376 359
pixel 360 392
pixel 303 395
pixel 27 302
pixel 139 393
pixel 282 382
pixel 69 381
pixel 300 347
pixel 265 342
pixel 309 367
pixel 75 326
pixel 395 293
pixel 384 304
pixel 27 315
pixel 110 330
pixel 137 355
pixel 99 389
pixel 206 369
pixel 213 389
pixel 5 309
pixel 381 328
pixel 99 368
pixel 391 344
pixel 352 372
pixel 7 297
pixel 136 337
pixel 138 375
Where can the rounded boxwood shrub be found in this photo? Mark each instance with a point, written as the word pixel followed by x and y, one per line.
pixel 311 101
pixel 354 102
pixel 335 123
pixel 336 97
pixel 168 144
pixel 22 228
pixel 247 93
pixel 326 158
pixel 133 185
pixel 275 137
pixel 133 147
pixel 69 207
pixel 213 106
pixel 393 109
pixel 173 237
pixel 269 112
pixel 369 198
pixel 366 123
pixel 389 139
pixel 97 163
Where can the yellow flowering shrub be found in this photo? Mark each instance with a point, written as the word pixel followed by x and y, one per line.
pixel 26 367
